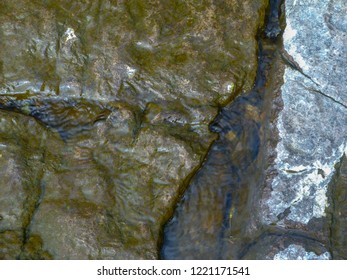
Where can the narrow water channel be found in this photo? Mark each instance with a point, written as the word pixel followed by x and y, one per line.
pixel 215 218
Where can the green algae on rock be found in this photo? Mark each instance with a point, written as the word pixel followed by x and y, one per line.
pixel 112 102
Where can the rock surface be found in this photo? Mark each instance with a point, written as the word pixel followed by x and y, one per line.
pixel 312 124
pixel 338 211
pixel 108 110
pixel 296 252
pixel 105 113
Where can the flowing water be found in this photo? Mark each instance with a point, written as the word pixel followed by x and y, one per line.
pixel 217 217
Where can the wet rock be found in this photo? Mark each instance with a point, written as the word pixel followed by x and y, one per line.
pixel 284 246
pixel 110 105
pixel 110 51
pixel 111 206
pixel 22 143
pixel 221 196
pixel 337 211
pixel 10 245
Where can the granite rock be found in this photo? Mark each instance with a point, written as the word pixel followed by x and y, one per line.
pixel 312 124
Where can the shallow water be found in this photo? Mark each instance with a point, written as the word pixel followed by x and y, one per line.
pixel 216 218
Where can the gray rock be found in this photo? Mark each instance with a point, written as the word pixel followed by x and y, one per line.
pixel 312 124
pixel 296 252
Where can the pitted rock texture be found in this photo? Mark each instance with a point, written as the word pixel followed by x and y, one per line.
pixel 296 252
pixel 312 124
pixel 105 113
